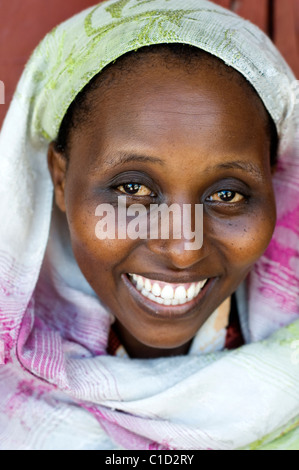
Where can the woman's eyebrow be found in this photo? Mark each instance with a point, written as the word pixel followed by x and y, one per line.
pixel 249 167
pixel 124 157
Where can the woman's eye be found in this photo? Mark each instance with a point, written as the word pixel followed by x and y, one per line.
pixel 134 189
pixel 226 196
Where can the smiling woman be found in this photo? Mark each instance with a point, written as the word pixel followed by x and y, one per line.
pixel 135 342
pixel 160 108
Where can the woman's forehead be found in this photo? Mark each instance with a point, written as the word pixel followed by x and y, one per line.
pixel 157 106
pixel 164 86
pixel 188 58
pixel 195 86
pixel 170 73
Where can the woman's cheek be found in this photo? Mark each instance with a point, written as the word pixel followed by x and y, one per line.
pixel 243 240
pixel 94 255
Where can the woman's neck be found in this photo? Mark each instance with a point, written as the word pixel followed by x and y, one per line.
pixel 137 350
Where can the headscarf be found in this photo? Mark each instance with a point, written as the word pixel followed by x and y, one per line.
pixel 58 387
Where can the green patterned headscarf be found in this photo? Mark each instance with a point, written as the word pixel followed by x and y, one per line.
pixel 80 48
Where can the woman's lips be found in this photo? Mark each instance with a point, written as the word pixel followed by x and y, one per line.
pixel 163 299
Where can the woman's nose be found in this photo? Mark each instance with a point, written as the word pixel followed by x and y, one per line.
pixel 175 255
pixel 180 242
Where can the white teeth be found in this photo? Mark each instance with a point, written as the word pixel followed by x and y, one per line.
pixel 156 290
pixel 180 293
pixel 191 291
pixel 197 289
pixel 145 293
pixel 148 285
pixel 151 296
pixel 140 284
pixel 168 295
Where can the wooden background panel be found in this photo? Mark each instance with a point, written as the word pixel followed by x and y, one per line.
pixel 23 24
pixel 224 3
pixel 296 3
pixel 256 11
pixel 285 31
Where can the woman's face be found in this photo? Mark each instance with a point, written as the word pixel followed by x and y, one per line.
pixel 160 134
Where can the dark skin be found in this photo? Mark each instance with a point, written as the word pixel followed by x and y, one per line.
pixel 190 138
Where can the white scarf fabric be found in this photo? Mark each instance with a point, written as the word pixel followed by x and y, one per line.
pixel 58 387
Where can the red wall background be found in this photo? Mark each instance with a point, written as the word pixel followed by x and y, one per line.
pixel 25 22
